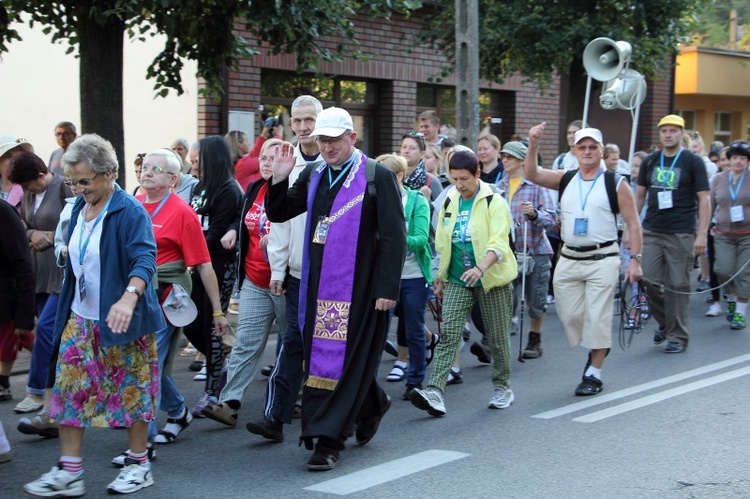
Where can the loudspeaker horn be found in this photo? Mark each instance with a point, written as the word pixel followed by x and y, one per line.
pixel 626 91
pixel 605 58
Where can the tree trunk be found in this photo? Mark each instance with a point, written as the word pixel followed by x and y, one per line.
pixel 101 63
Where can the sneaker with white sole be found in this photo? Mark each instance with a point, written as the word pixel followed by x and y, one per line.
pixel 41 424
pixel 715 310
pixel 502 399
pixel 201 376
pixel 430 399
pixel 132 478
pixel 205 401
pixel 57 483
pixel 28 404
pixel 119 461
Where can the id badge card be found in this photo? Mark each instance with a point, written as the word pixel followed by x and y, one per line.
pixel 581 227
pixel 321 230
pixel 82 287
pixel 737 214
pixel 205 222
pixel 665 200
pixel 466 259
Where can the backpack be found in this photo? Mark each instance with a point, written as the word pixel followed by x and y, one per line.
pixel 512 245
pixel 610 184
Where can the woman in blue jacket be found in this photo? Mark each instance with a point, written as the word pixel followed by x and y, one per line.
pixel 107 370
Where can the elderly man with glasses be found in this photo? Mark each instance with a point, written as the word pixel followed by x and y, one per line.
pixel 354 250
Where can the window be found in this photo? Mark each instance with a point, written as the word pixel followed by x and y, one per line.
pixel 278 89
pixel 496 109
pixel 723 126
pixel 689 117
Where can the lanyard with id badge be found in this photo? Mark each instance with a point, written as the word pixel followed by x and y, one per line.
pixel 82 245
pixel 324 222
pixel 666 179
pixel 736 212
pixel 581 224
pixel 465 255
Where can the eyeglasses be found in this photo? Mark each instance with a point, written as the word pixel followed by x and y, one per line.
pixel 155 169
pixel 332 141
pixel 265 158
pixel 84 182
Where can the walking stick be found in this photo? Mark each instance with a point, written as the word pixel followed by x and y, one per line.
pixel 523 294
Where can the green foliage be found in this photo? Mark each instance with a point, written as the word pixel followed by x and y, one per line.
pixel 537 38
pixel 712 24
pixel 203 30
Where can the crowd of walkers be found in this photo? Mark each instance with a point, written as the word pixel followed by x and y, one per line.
pixel 333 246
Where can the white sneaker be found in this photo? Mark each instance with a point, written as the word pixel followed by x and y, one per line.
pixel 502 399
pixel 132 478
pixel 57 483
pixel 28 404
pixel 715 310
pixel 201 376
pixel 5 453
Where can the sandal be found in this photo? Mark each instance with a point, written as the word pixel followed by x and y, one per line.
pixel 430 350
pixel 169 433
pixel 398 373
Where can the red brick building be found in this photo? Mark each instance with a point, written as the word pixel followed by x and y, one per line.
pixel 400 79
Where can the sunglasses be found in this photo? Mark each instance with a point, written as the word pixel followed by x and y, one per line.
pixel 739 144
pixel 84 182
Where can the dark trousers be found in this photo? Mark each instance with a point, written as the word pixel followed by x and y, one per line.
pixel 286 378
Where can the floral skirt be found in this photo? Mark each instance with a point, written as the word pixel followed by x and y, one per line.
pixel 104 386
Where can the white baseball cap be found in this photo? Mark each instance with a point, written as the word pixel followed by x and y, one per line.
pixel 589 133
pixel 333 122
pixel 178 307
pixel 9 141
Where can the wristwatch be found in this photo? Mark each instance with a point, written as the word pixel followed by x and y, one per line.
pixel 133 289
pixel 636 257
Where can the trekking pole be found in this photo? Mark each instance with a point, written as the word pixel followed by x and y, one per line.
pixel 523 294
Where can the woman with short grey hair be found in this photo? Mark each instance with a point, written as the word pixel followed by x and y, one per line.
pixel 107 370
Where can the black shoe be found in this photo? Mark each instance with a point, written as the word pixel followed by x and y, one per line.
pixel 367 428
pixel 266 370
pixel 267 428
pixel 589 386
pixel 482 352
pixel 409 388
pixel 322 461
pixel 675 347
pixel 391 349
pixel 196 365
pixel 660 335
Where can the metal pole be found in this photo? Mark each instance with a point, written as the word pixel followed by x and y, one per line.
pixel 467 72
pixel 634 129
pixel 586 102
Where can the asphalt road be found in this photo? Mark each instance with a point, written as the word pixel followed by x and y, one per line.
pixel 665 426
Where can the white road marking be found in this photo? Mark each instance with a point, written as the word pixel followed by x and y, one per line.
pixel 658 397
pixel 608 397
pixel 386 472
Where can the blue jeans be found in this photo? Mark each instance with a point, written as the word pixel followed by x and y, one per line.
pixel 412 306
pixel 43 344
pixel 170 400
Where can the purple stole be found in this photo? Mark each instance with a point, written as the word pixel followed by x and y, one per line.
pixel 334 300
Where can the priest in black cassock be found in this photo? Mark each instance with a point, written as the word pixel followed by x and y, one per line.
pixel 355 244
